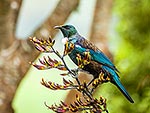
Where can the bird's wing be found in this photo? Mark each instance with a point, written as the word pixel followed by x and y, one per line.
pixel 96 54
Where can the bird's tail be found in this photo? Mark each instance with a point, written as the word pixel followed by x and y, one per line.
pixel 122 89
pixel 116 81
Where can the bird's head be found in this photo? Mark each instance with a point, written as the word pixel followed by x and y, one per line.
pixel 67 30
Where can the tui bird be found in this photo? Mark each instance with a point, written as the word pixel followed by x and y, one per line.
pixel 99 61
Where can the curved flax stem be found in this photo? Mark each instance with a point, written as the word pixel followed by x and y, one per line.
pixel 74 75
pixel 62 58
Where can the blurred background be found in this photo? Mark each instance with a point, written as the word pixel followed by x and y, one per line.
pixel 121 29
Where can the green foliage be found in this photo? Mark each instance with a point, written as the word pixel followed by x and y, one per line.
pixel 134 51
pixel 134 25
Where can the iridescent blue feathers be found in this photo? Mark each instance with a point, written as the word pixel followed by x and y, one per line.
pixel 99 61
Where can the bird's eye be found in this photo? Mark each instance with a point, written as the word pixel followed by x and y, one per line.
pixel 67 27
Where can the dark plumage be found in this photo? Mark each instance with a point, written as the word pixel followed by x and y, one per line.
pixel 99 62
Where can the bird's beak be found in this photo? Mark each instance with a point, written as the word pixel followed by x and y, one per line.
pixel 63 30
pixel 57 27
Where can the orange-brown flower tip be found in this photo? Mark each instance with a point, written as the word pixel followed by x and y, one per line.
pixel 64 74
pixel 32 38
pixel 42 79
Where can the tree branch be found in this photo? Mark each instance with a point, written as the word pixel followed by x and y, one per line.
pixel 14 64
pixel 99 30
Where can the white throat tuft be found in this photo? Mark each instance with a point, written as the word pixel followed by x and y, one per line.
pixel 64 40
